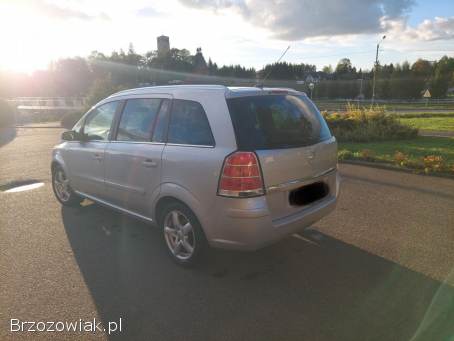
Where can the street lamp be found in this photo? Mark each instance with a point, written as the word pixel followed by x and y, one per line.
pixel 375 69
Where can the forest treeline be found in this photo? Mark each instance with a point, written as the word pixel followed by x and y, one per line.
pixel 101 73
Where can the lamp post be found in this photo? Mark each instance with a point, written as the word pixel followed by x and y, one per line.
pixel 375 69
pixel 361 87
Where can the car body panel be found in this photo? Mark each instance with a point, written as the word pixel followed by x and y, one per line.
pixel 133 171
pixel 85 164
pixel 287 169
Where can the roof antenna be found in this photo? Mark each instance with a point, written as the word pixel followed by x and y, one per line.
pixel 260 85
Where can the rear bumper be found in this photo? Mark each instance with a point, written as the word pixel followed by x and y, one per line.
pixel 246 224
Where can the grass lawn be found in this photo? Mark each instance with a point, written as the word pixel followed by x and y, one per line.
pixel 430 123
pixel 415 148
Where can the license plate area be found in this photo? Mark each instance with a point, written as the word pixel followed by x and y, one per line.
pixel 308 194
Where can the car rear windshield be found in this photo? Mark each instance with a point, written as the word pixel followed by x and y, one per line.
pixel 276 121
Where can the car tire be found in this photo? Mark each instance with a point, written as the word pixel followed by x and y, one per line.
pixel 62 190
pixel 182 233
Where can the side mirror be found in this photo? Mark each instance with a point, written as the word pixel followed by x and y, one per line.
pixel 73 136
pixel 69 136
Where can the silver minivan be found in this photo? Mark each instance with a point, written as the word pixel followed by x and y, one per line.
pixel 234 168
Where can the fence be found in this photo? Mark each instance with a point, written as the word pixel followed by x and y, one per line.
pixel 37 104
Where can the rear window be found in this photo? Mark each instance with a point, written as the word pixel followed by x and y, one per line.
pixel 276 121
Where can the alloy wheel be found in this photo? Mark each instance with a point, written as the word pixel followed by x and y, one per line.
pixel 61 185
pixel 179 235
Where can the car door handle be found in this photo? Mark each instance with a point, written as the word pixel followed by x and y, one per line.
pixel 97 157
pixel 149 163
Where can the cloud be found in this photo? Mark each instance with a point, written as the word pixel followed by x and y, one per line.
pixel 429 30
pixel 56 11
pixel 299 19
pixel 148 12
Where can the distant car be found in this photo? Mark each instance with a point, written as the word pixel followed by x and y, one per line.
pixel 234 168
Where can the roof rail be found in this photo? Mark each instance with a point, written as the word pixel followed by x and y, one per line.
pixel 181 86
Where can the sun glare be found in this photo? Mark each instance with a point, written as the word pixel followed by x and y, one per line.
pixel 20 40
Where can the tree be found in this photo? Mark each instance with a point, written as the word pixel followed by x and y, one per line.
pixel 328 69
pixel 287 71
pixel 212 67
pixel 344 69
pixel 422 68
pixel 235 71
pixel 71 76
pixel 101 88
pixel 443 77
pixel 199 63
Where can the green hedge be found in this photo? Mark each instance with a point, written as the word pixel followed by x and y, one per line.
pixel 367 125
pixel 7 117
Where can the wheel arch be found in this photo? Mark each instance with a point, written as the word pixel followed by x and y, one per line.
pixel 175 193
pixel 54 164
pixel 164 201
pixel 57 161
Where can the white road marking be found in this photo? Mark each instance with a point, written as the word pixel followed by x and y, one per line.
pixel 297 236
pixel 24 187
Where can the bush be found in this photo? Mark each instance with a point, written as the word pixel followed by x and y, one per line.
pixel 344 154
pixel 401 159
pixel 367 125
pixel 70 119
pixel 433 163
pixel 428 164
pixel 367 154
pixel 7 114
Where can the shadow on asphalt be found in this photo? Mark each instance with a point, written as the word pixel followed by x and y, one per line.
pixel 295 290
pixel 413 187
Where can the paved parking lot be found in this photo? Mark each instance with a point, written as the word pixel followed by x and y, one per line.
pixel 378 268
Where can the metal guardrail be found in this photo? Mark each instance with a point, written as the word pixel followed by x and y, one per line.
pixel 48 103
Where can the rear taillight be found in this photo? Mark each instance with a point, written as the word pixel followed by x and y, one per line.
pixel 241 176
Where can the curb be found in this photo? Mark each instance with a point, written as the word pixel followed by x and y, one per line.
pixel 385 166
pixel 435 133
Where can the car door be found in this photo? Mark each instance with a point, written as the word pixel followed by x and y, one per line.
pixel 133 158
pixel 85 159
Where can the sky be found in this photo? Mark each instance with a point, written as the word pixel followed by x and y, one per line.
pixel 252 33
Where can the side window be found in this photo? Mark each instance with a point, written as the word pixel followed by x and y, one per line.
pixel 162 122
pixel 189 124
pixel 137 120
pixel 99 121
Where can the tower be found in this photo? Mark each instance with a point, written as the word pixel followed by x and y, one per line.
pixel 163 46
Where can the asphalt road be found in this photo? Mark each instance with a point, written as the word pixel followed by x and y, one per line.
pixel 378 268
